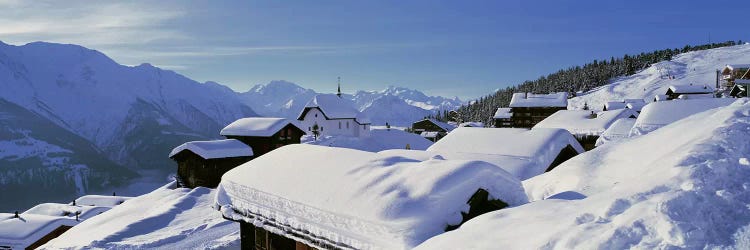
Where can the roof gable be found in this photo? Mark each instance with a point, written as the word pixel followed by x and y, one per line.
pixel 256 126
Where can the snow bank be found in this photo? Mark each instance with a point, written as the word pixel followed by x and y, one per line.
pixel 559 99
pixel 357 199
pixel 522 152
pixel 582 122
pixel 659 114
pixel 166 218
pixel 215 149
pixel 619 130
pixel 379 139
pixel 682 186
pixel 19 233
pixel 255 126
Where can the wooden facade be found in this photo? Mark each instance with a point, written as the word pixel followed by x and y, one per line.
pixel 428 125
pixel 564 155
pixel 588 142
pixel 527 117
pixel 258 238
pixel 54 234
pixel 261 145
pixel 503 122
pixel 195 171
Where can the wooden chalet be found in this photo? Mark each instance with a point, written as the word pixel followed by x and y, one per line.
pixel 733 72
pixel 529 109
pixel 202 163
pixel 739 89
pixel 318 214
pixel 263 134
pixel 586 126
pixel 502 118
pixel 431 129
pixel 676 91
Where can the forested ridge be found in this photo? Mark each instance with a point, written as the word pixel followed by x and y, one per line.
pixel 573 80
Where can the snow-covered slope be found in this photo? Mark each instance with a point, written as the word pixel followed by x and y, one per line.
pixel 395 105
pixel 697 68
pixel 166 218
pixel 682 186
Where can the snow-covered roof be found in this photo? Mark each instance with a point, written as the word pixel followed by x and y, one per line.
pixel 695 96
pixel 617 131
pixel 19 233
pixel 101 200
pixel 215 149
pixel 445 126
pixel 356 199
pixel 522 152
pixel 256 126
pixel 559 99
pixel 429 134
pixel 690 89
pixel 659 114
pixel 57 209
pixel 502 113
pixel 633 100
pixel 379 139
pixel 581 122
pixel 659 98
pixel 742 81
pixel 738 66
pixel 635 106
pixel 472 124
pixel 614 105
pixel 334 107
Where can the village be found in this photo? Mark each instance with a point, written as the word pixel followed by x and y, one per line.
pixel 332 180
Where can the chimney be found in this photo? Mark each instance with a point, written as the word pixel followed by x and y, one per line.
pixel 592 115
pixel 16 216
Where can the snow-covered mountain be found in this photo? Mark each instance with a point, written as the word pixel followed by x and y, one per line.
pixel 95 120
pixel 395 105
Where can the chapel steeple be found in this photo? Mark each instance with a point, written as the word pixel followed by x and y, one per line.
pixel 339 89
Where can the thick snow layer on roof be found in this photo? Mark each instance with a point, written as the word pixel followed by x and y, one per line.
pixel 379 139
pixel 502 113
pixel 581 122
pixel 166 218
pixel 215 149
pixel 19 233
pixel 691 89
pixel 695 96
pixel 658 114
pixel 738 66
pixel 428 134
pixel 619 130
pixel 635 106
pixel 660 98
pixel 683 186
pixel 633 100
pixel 445 126
pixel 358 199
pixel 333 107
pixel 67 210
pixel 522 152
pixel 614 105
pixel 559 99
pixel 472 124
pixel 255 126
pixel 101 200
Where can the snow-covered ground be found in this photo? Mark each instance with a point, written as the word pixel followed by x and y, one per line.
pixel 697 68
pixel 380 139
pixel 166 218
pixel 682 186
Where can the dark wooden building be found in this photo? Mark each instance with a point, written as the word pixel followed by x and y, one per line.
pixel 263 134
pixel 733 72
pixel 529 109
pixel 675 91
pixel 431 129
pixel 502 118
pixel 202 163
pixel 31 231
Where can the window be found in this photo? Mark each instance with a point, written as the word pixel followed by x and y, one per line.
pixel 347 124
pixel 316 115
pixel 309 129
pixel 339 125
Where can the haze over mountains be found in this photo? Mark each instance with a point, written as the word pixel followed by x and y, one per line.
pixel 73 121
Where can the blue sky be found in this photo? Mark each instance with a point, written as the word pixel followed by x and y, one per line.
pixel 449 48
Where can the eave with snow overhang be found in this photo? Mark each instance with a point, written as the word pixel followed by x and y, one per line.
pixel 586 126
pixel 522 152
pixel 308 196
pixel 529 109
pixel 29 231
